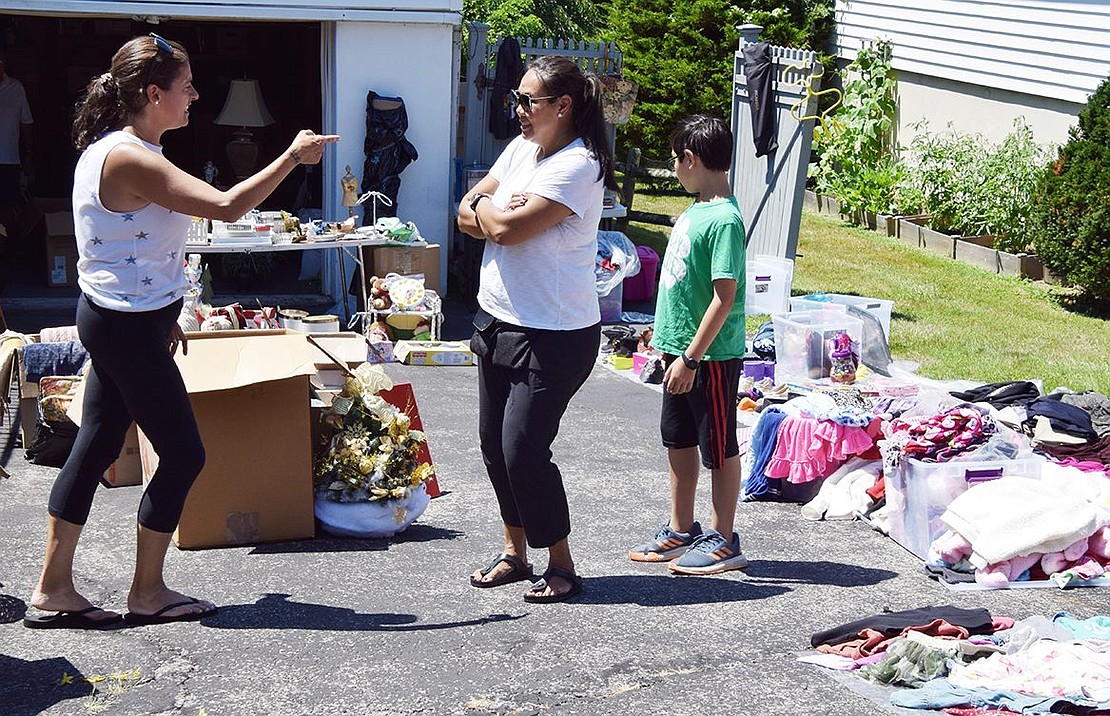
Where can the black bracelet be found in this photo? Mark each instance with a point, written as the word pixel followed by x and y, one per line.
pixel 296 155
pixel 690 362
pixel 475 199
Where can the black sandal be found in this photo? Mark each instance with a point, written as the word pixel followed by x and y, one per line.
pixel 535 594
pixel 519 572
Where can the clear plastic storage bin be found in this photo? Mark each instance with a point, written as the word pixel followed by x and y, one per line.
pixel 767 284
pixel 880 308
pixel 918 493
pixel 804 340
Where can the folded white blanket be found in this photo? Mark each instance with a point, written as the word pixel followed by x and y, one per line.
pixel 1015 516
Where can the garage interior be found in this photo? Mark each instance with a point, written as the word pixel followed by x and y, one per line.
pixel 55 57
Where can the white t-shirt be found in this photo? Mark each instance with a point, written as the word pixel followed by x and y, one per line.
pixel 126 261
pixel 547 281
pixel 14 111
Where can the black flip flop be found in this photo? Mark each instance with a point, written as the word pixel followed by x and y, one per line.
pixel 71 620
pixel 519 572
pixel 535 595
pixel 160 616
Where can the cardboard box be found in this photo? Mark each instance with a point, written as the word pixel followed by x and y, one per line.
pixel 406 260
pixel 127 470
pixel 250 395
pixel 433 352
pixel 61 249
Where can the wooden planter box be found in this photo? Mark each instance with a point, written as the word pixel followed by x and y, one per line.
pixel 1024 265
pixel 822 203
pixel 977 251
pixel 913 231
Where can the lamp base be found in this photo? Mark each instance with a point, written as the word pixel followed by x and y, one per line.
pixel 242 153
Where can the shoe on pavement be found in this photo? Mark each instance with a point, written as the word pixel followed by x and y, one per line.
pixel 666 545
pixel 711 554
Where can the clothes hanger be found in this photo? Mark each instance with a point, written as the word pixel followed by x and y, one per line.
pixel 807 83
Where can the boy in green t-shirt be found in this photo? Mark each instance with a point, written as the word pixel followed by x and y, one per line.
pixel 699 326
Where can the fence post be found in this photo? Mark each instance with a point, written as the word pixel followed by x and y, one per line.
pixel 628 187
pixel 474 118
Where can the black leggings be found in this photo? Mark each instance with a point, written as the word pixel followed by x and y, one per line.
pixel 526 378
pixel 133 377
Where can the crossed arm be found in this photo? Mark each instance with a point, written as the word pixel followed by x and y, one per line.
pixel 526 216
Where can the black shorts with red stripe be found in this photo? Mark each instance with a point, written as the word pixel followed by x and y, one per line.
pixel 706 416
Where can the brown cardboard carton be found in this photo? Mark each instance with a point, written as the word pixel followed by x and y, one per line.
pixel 61 249
pixel 407 260
pixel 250 395
pixel 127 470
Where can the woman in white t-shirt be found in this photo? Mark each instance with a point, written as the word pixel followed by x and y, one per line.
pixel 131 209
pixel 538 322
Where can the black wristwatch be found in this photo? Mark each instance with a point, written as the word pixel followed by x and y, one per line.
pixel 690 362
pixel 474 201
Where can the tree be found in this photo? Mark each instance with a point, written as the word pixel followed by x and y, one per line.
pixel 1069 223
pixel 575 19
pixel 681 54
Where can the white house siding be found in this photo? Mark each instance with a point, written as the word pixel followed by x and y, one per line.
pixel 979 65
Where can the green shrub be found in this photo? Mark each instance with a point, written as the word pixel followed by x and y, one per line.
pixel 1069 220
pixel 971 187
pixel 856 161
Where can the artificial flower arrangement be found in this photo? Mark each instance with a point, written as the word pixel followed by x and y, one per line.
pixel 373 453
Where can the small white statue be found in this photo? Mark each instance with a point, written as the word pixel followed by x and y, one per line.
pixel 210 172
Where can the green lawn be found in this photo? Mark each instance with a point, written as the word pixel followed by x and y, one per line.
pixel 953 320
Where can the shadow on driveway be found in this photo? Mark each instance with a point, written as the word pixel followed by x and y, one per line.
pixel 275 611
pixel 326 544
pixel 657 590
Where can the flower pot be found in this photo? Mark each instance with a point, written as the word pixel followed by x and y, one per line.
pixel 382 518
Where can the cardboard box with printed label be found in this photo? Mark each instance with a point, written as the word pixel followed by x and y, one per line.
pixel 250 395
pixel 406 261
pixel 61 249
pixel 434 352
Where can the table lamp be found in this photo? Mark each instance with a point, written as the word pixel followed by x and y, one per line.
pixel 244 108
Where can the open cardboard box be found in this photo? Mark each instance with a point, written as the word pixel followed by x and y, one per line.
pixel 250 393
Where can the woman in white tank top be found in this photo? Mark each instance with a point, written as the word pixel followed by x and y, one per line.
pixel 131 209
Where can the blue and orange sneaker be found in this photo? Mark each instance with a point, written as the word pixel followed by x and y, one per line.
pixel 711 554
pixel 666 545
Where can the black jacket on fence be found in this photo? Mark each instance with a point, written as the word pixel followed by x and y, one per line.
pixel 759 69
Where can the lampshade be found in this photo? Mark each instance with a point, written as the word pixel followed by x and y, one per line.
pixel 244 106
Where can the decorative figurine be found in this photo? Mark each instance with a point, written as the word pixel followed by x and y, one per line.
pixel 350 191
pixel 210 172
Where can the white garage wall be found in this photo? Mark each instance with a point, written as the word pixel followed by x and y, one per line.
pixel 413 62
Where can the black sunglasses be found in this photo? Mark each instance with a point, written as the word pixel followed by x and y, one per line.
pixel 525 100
pixel 163 49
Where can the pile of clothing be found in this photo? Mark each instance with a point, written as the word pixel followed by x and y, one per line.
pixel 967 661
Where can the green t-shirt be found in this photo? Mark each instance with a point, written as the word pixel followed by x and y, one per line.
pixel 707 243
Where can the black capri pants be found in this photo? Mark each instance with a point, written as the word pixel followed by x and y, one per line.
pixel 133 377
pixel 526 379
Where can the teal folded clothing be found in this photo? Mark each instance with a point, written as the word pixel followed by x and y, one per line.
pixel 45 359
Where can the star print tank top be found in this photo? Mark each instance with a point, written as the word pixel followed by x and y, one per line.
pixel 126 261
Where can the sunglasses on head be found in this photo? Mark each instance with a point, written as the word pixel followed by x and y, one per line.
pixel 162 49
pixel 525 100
